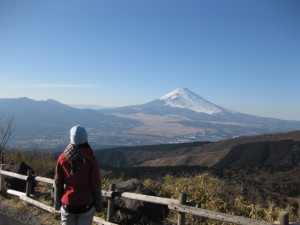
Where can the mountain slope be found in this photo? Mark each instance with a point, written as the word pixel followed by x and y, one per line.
pixel 263 153
pixel 45 124
pixel 259 150
pixel 186 99
pixel 179 101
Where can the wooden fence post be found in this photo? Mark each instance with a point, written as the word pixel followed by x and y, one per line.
pixel 181 215
pixel 284 218
pixel 110 204
pixel 1 179
pixel 29 183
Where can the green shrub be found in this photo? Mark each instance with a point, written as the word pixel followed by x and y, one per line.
pixel 42 163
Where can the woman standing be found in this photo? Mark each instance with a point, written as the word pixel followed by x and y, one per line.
pixel 77 181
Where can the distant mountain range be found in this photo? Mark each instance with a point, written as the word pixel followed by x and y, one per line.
pixel 177 117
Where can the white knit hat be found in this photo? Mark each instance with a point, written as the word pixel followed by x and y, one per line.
pixel 78 135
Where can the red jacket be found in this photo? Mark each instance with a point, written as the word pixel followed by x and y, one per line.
pixel 78 188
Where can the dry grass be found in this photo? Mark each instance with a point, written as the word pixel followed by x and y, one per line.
pixel 25 213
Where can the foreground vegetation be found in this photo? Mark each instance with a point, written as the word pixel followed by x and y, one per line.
pixel 257 193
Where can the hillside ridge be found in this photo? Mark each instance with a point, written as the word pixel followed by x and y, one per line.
pixel 283 149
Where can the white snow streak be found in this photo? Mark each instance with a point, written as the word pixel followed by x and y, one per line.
pixel 184 98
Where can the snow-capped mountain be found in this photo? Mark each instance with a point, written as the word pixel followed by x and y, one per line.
pixel 180 101
pixel 179 116
pixel 186 99
pixel 185 115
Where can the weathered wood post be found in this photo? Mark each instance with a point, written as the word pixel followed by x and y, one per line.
pixel 29 182
pixel 1 179
pixel 111 204
pixel 181 215
pixel 284 218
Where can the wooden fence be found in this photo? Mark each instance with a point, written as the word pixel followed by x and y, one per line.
pixel 179 205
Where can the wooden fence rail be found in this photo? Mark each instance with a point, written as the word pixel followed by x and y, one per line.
pixel 177 205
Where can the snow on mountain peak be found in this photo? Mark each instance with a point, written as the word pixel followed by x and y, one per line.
pixel 184 98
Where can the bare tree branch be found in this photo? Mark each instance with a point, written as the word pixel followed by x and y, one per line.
pixel 6 130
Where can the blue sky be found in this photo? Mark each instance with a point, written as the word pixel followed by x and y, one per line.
pixel 242 55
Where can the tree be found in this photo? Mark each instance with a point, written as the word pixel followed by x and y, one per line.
pixel 6 130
